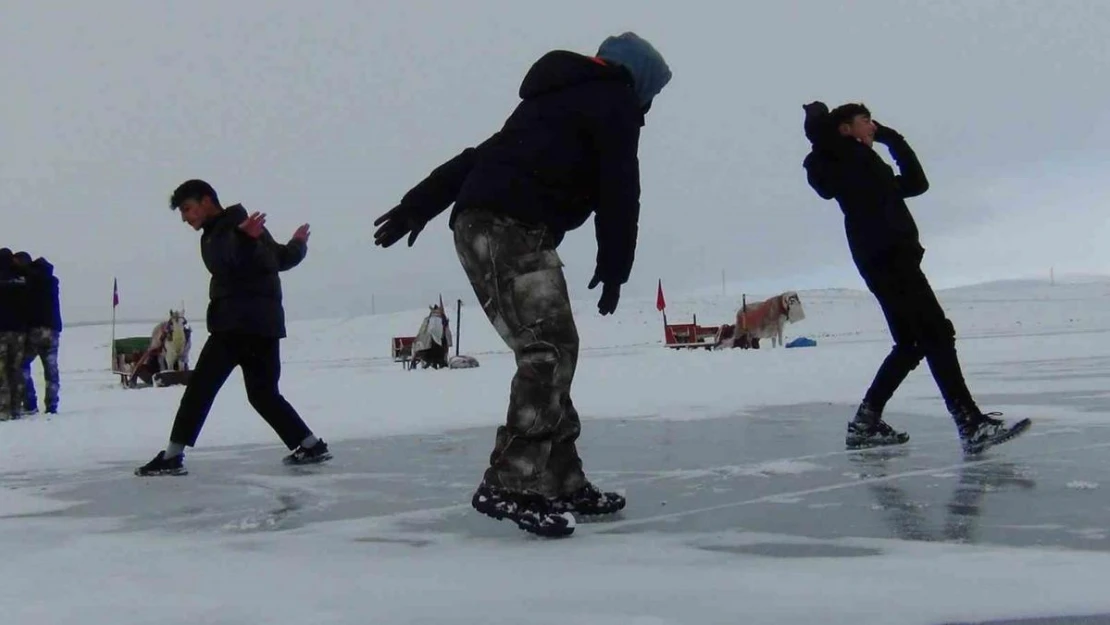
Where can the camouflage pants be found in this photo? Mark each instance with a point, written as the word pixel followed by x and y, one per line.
pixel 518 278
pixel 11 374
pixel 42 343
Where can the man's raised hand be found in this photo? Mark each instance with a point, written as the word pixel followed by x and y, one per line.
pixel 302 233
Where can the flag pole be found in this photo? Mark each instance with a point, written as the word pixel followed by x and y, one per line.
pixel 115 301
pixel 661 306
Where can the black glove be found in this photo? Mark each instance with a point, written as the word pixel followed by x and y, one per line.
pixel 395 224
pixel 610 294
pixel 885 134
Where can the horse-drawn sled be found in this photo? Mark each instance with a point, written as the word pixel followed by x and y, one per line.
pixel 161 359
pixel 431 347
pixel 763 320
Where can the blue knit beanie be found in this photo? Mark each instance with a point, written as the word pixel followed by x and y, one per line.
pixel 649 71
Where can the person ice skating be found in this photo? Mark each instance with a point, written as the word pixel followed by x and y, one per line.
pixel 568 150
pixel 884 243
pixel 13 334
pixel 43 335
pixel 246 322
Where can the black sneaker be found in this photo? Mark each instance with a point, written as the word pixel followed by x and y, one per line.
pixel 313 455
pixel 163 466
pixel 979 431
pixel 589 501
pixel 868 429
pixel 531 513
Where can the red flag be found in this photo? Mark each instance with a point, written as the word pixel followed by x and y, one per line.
pixel 115 293
pixel 660 303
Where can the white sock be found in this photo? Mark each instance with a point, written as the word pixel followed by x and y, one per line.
pixel 174 449
pixel 310 441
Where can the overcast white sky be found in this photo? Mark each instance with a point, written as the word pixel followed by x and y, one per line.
pixel 329 111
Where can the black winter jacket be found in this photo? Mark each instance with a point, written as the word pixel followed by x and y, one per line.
pixel 872 197
pixel 569 149
pixel 13 297
pixel 44 303
pixel 245 290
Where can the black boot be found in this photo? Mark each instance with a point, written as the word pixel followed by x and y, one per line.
pixel 868 429
pixel 589 501
pixel 313 455
pixel 531 512
pixel 979 431
pixel 163 466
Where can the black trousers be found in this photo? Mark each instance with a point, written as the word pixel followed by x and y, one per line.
pixel 920 330
pixel 260 359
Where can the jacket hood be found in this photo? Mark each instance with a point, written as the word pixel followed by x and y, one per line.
pixel 649 71
pixel 561 69
pixel 235 213
pixel 43 265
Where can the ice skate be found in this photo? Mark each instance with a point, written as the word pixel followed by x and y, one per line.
pixel 313 455
pixel 868 430
pixel 979 431
pixel 589 501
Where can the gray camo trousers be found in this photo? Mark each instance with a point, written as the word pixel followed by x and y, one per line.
pixel 42 344
pixel 12 345
pixel 517 277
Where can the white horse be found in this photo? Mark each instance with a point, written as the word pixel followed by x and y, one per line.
pixel 766 319
pixel 172 339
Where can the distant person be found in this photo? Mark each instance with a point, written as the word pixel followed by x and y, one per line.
pixel 43 334
pixel 885 247
pixel 13 334
pixel 568 150
pixel 246 321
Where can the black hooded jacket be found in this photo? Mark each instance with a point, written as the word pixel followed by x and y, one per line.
pixel 13 296
pixel 245 290
pixel 44 305
pixel 872 197
pixel 569 149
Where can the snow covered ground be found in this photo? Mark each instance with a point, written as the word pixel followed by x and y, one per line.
pixel 743 505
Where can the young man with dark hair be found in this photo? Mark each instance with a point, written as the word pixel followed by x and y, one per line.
pixel 246 321
pixel 43 335
pixel 13 334
pixel 884 243
pixel 569 149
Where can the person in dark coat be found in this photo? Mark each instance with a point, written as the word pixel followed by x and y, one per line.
pixel 43 334
pixel 885 246
pixel 246 321
pixel 567 151
pixel 13 334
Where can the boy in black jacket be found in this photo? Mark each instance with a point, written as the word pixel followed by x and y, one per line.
pixel 568 150
pixel 883 240
pixel 43 334
pixel 246 322
pixel 13 334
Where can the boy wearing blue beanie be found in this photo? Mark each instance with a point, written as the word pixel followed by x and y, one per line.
pixel 567 151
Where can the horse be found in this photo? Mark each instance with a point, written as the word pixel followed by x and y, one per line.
pixel 172 339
